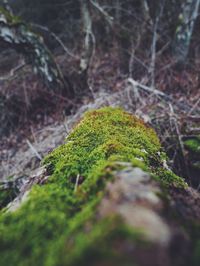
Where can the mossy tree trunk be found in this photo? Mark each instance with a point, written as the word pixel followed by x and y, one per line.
pixel 107 198
pixel 184 30
pixel 20 37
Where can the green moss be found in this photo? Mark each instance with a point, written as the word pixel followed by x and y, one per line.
pixel 6 196
pixel 193 145
pixel 11 19
pixel 58 224
pixel 168 178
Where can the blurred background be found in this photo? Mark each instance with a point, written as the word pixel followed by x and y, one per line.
pixel 59 58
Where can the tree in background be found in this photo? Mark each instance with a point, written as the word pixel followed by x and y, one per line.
pixel 134 26
pixel 144 39
pixel 18 35
pixel 184 30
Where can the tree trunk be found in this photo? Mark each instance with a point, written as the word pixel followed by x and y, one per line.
pixel 19 36
pixel 110 200
pixel 184 30
pixel 88 44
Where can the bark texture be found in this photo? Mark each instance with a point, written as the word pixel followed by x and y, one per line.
pixel 184 30
pixel 20 37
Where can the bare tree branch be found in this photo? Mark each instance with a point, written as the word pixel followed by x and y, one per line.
pixel 12 72
pixel 56 38
pixel 108 18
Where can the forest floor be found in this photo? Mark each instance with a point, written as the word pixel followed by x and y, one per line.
pixel 39 124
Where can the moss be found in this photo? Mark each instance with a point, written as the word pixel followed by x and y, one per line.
pixel 58 224
pixel 193 144
pixel 168 178
pixel 11 19
pixel 193 147
pixel 6 196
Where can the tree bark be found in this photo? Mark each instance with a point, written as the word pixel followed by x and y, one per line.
pixel 20 37
pixel 184 30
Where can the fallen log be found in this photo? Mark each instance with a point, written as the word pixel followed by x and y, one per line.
pixel 107 198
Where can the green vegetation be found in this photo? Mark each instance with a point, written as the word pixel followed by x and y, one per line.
pixel 11 19
pixel 58 224
pixel 6 196
pixel 193 145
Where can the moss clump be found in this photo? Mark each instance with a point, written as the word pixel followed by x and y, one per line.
pixel 193 145
pixel 11 19
pixel 58 225
pixel 6 196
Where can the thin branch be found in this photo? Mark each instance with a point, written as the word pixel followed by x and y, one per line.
pixel 12 72
pixel 77 181
pixel 34 150
pixel 157 92
pixel 179 138
pixel 148 89
pixel 55 37
pixel 103 12
pixel 153 55
pixel 194 107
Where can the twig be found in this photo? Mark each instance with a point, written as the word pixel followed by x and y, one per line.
pixel 153 55
pixel 155 91
pixel 163 49
pixel 136 93
pixel 146 88
pixel 194 130
pixel 33 150
pixel 76 185
pixel 27 101
pixel 194 107
pixel 65 124
pixel 179 138
pixel 131 58
pixel 12 72
pixel 56 38
pixel 103 12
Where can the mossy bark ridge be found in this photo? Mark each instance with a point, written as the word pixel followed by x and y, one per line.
pixel 102 203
